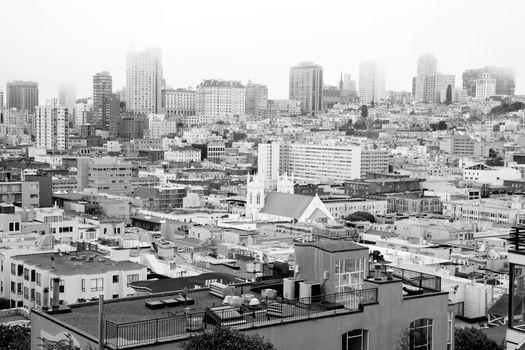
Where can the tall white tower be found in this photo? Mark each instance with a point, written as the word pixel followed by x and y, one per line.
pixel 144 81
pixel 254 195
pixel 371 82
pixel 426 65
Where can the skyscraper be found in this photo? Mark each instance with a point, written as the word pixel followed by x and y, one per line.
pixel 505 83
pixel 102 95
pixel 435 89
pixel 306 86
pixel 426 65
pixel 256 100
pixel 51 127
pixel 371 82
pixel 1 100
pixel 67 96
pixel 22 95
pixel 144 81
pixel 348 83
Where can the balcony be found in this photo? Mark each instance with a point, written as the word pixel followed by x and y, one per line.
pixel 414 283
pixel 177 326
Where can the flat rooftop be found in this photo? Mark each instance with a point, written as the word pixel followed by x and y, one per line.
pixel 68 263
pixel 333 247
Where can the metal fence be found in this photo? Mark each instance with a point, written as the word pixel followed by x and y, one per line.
pixel 178 326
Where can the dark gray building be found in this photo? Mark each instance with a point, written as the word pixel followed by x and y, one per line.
pixel 22 95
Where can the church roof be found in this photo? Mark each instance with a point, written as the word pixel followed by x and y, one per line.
pixel 286 204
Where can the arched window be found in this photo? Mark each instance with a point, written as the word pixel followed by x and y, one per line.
pixel 251 198
pixel 355 340
pixel 258 198
pixel 420 334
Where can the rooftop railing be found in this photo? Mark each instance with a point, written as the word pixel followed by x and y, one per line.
pixel 414 282
pixel 180 326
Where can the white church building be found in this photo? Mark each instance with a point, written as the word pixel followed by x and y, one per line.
pixel 282 204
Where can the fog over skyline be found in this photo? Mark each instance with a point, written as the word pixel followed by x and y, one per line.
pixel 61 42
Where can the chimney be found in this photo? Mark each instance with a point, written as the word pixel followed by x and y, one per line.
pixel 45 302
pixel 377 272
pixel 56 293
pixel 389 274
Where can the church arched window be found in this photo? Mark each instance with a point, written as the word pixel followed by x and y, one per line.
pixel 251 199
pixel 258 198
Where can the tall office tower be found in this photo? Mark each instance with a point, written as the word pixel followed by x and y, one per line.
pixel 485 86
pixel 256 100
pixel 179 102
pixel 426 65
pixel 371 82
pixel 144 81
pixel 436 85
pixel 67 96
pixel 1 100
pixel 348 83
pixel 414 79
pixel 220 98
pixel 51 127
pixel 505 80
pixel 22 95
pixel 102 96
pixel 306 86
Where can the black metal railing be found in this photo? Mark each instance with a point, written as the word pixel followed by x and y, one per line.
pixel 181 325
pixel 421 281
pixel 517 239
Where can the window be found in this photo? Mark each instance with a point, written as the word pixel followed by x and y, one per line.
pixel 26 274
pixel 355 340
pixel 349 274
pixel 115 278
pixel 420 334
pixel 38 298
pixel 97 284
pixel 133 278
pixel 26 293
pixel 83 285
pixel 13 269
pixel 38 279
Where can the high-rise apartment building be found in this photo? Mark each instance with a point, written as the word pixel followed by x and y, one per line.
pixel 325 162
pixel 82 112
pixel 107 175
pixel 371 82
pixel 435 89
pixel 306 86
pixel 256 100
pixel 1 100
pixel 268 160
pixel 22 95
pixel 426 65
pixel 144 81
pixel 485 86
pixel 179 102
pixel 220 98
pixel 505 80
pixel 67 96
pixel 103 98
pixel 51 126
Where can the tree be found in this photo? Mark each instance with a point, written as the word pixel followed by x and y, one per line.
pixel 361 216
pixel 225 338
pixel 15 337
pixel 448 99
pixel 364 111
pixel 473 338
pixel 442 125
pixel 360 124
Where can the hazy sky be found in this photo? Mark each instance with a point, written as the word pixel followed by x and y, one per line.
pixel 55 41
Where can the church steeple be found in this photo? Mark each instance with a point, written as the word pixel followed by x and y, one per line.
pixel 341 82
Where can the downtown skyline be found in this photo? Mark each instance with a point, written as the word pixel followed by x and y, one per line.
pixel 220 48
